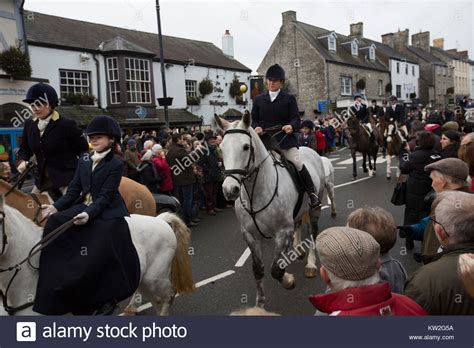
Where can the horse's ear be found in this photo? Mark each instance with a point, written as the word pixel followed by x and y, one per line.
pixel 247 119
pixel 221 123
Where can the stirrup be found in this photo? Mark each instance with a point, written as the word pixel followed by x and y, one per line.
pixel 314 201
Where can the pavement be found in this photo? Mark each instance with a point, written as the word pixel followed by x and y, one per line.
pixel 222 266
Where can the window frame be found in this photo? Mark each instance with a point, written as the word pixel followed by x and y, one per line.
pixel 73 85
pixel 190 92
pixel 332 40
pixel 113 80
pixel 343 86
pixel 138 80
pixel 354 48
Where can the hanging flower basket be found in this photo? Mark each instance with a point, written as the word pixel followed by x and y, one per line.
pixel 15 62
pixel 206 87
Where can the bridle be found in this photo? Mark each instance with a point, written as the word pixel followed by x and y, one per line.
pixel 45 241
pixel 19 183
pixel 249 171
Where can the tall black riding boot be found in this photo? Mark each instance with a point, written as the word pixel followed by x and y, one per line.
pixel 308 183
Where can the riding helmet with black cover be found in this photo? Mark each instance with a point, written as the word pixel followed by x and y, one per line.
pixel 275 72
pixel 42 93
pixel 104 124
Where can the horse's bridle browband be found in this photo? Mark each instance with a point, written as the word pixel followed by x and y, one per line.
pixel 243 172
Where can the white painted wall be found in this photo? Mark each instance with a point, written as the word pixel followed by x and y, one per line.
pixel 175 85
pixel 409 83
pixel 46 63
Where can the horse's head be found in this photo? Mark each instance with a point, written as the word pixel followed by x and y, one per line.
pixel 237 151
pixel 353 125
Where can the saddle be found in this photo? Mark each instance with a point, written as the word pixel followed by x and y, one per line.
pixel 280 160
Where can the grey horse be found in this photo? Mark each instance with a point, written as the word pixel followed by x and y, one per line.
pixel 265 197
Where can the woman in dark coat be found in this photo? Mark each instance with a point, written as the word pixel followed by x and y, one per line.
pixel 94 264
pixel 419 181
pixel 55 141
pixel 277 108
pixel 148 173
pixel 450 141
pixel 307 137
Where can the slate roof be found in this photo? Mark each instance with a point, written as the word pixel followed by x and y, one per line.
pixel 60 32
pixel 390 52
pixel 343 52
pixel 425 55
pixel 448 55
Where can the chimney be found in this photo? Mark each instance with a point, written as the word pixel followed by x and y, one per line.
pixel 228 44
pixel 387 39
pixel 357 30
pixel 439 43
pixel 400 40
pixel 288 17
pixel 421 40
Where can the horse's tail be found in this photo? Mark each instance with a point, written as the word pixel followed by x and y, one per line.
pixel 181 275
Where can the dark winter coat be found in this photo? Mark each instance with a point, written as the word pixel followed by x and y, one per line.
pixel 94 263
pixel 437 286
pixel 362 113
pixel 209 163
pixel 180 162
pixel 149 176
pixel 56 151
pixel 308 140
pixel 396 114
pixel 418 183
pixel 282 111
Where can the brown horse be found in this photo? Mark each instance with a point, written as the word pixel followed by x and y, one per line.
pixel 137 198
pixel 394 139
pixel 360 141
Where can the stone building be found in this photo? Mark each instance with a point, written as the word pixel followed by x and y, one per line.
pixel 323 66
pixel 435 75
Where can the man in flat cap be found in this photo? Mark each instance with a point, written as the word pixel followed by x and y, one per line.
pixel 449 174
pixel 437 286
pixel 349 266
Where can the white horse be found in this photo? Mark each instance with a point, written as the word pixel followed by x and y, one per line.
pixel 265 199
pixel 161 242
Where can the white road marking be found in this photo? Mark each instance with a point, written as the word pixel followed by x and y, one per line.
pixel 340 167
pixel 243 258
pixel 342 149
pixel 334 159
pixel 198 285
pixel 348 161
pixel 353 182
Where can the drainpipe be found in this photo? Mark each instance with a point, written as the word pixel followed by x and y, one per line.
pixel 23 25
pixel 99 104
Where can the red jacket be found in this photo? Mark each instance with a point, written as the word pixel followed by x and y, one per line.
pixel 163 170
pixel 320 140
pixel 369 300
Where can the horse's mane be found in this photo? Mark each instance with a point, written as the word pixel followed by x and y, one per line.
pixel 8 186
pixel 17 218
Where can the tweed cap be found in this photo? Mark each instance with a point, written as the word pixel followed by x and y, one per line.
pixel 349 253
pixel 453 167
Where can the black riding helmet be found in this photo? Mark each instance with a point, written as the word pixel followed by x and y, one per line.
pixel 103 124
pixel 275 72
pixel 42 93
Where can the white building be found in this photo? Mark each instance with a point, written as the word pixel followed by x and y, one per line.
pixel 118 70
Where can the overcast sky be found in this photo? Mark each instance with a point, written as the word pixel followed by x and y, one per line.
pixel 254 24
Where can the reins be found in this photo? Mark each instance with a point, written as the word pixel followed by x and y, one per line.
pixel 44 242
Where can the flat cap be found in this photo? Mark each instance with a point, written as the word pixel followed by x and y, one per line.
pixel 453 167
pixel 349 253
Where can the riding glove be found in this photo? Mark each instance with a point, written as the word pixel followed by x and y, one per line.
pixel 48 210
pixel 81 219
pixel 22 166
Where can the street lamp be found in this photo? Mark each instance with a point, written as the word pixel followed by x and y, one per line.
pixel 165 101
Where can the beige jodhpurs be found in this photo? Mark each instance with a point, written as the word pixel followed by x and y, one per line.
pixel 293 155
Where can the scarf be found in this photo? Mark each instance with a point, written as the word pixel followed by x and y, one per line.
pixel 42 124
pixel 97 157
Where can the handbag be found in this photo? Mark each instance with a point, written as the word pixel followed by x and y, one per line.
pixel 400 191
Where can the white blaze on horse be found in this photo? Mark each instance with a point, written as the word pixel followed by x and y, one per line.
pixel 161 242
pixel 266 196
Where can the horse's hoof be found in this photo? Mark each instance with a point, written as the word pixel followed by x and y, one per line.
pixel 388 178
pixel 310 272
pixel 288 281
pixel 366 170
pixel 333 214
pixel 354 177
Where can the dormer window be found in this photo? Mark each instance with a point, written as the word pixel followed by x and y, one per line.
pixel 372 53
pixel 354 48
pixel 332 43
